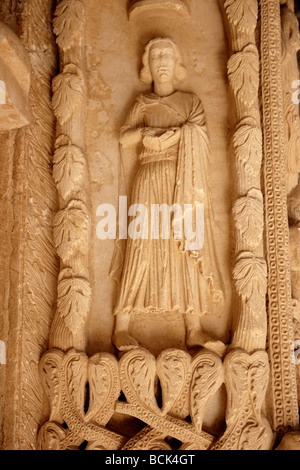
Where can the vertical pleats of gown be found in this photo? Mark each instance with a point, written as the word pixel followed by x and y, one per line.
pixel 157 277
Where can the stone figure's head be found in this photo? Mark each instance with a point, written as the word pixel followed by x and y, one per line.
pixel 162 62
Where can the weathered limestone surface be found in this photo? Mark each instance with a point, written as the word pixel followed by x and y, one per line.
pixel 150 343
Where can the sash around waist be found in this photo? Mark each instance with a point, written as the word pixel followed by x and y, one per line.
pixel 157 157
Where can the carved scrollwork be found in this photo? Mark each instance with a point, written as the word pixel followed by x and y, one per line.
pixel 250 276
pixel 242 13
pixel 138 375
pixel 104 387
pixel 248 214
pixel 174 372
pixel 246 379
pixel 207 377
pixel 243 74
pixel 71 380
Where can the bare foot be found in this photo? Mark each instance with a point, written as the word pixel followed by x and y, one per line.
pixel 196 337
pixel 124 342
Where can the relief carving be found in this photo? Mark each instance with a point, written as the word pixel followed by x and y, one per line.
pixel 69 167
pixel 72 223
pixel 150 6
pixel 247 142
pixel 168 395
pixel 185 391
pixel 174 170
pixel 68 24
pixel 248 213
pixel 68 89
pixel 247 427
pixel 250 276
pixel 243 74
pixel 242 14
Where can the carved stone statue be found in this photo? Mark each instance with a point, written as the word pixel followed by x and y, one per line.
pixel 166 275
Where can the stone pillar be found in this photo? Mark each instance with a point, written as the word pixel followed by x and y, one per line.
pixel 280 327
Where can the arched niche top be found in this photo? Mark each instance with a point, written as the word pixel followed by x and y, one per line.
pixel 147 6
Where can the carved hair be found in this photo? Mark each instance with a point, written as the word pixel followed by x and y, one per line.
pixel 180 70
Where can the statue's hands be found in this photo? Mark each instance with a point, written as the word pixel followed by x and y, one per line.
pixel 131 137
pixel 161 142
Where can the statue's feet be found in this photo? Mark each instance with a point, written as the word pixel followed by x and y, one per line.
pixel 196 338
pixel 124 342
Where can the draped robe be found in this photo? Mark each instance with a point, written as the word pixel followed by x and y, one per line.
pixel 157 276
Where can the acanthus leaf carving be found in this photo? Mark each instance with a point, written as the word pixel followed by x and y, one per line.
pixel 75 365
pixel 74 298
pixel 68 90
pixel 242 13
pixel 174 373
pixel 49 372
pixel 138 377
pixel 246 379
pixel 104 388
pixel 71 230
pixel 248 213
pixel 247 142
pixel 69 166
pixel 51 436
pixel 250 276
pixel 243 74
pixel 207 378
pixel 68 24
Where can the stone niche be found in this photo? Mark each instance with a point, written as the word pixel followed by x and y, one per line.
pixel 162 102
pixel 113 84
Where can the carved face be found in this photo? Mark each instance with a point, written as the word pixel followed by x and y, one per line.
pixel 162 62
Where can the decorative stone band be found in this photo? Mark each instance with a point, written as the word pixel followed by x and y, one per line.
pixel 283 381
pixel 187 385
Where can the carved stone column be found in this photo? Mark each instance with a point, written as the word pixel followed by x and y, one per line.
pixel 70 172
pixel 33 263
pixel 280 326
pixel 247 357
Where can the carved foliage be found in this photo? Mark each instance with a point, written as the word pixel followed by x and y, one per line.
pixel 187 385
pixel 71 230
pixel 75 370
pixel 248 213
pixel 69 166
pixel 246 379
pixel 242 13
pixel 250 276
pixel 138 374
pixel 243 74
pixel 73 301
pixel 207 378
pixel 104 387
pixel 68 90
pixel 174 373
pixel 247 142
pixel 69 23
